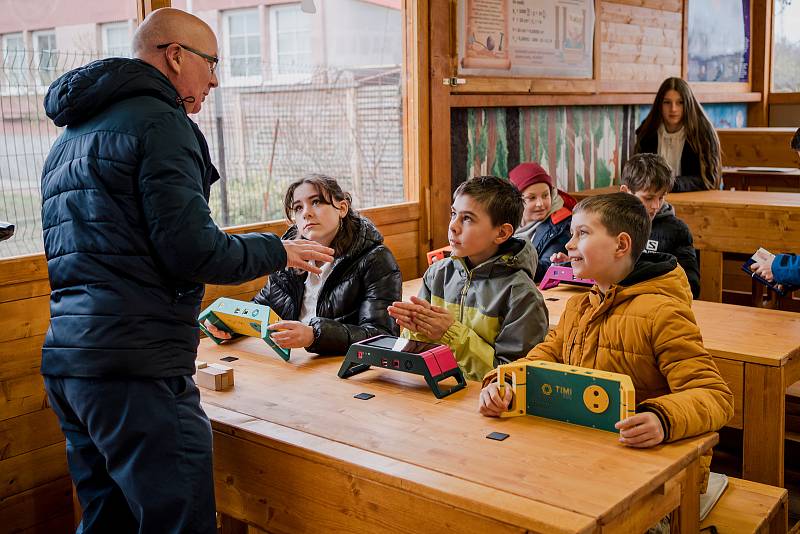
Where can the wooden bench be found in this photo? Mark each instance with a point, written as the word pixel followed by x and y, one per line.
pixel 749 507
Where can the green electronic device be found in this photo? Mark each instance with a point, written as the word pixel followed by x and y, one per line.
pixel 586 397
pixel 242 318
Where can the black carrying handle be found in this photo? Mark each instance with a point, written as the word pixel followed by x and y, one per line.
pixel 351 368
pixel 433 383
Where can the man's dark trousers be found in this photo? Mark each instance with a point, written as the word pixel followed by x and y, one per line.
pixel 139 452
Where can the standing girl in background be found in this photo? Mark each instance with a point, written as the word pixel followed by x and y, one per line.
pixel 678 130
pixel 347 302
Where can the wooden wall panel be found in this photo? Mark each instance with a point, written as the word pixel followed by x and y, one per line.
pixel 759 147
pixel 35 489
pixel 35 509
pixel 640 41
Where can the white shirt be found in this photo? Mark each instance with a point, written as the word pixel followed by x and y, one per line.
pixel 314 283
pixel 670 147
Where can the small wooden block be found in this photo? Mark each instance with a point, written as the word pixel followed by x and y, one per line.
pixel 228 372
pixel 199 365
pixel 211 377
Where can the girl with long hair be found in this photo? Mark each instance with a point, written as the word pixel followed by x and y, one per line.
pixel 678 130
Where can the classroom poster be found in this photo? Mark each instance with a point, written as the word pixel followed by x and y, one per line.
pixel 526 38
pixel 719 40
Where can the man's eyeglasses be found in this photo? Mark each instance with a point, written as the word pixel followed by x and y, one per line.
pixel 212 60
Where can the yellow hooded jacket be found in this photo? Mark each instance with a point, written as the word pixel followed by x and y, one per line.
pixel 644 327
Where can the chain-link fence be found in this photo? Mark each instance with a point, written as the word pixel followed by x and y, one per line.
pixel 342 122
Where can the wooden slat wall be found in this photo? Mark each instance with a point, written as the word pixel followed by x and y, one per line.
pixel 757 147
pixel 35 490
pixel 640 40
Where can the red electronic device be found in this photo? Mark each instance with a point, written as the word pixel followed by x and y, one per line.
pixel 559 273
pixel 439 254
pixel 434 362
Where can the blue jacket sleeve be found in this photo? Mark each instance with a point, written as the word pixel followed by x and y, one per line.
pixel 185 241
pixel 558 244
pixel 786 269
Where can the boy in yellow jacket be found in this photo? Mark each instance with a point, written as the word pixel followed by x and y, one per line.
pixel 637 320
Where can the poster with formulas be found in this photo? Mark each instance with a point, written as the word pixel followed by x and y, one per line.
pixel 526 38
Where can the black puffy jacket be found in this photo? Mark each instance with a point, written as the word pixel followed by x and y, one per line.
pixel 690 178
pixel 671 235
pixel 128 234
pixel 352 302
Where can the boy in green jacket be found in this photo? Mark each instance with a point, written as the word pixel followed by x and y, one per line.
pixel 481 301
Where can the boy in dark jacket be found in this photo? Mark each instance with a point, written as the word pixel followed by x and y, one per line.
pixel 648 177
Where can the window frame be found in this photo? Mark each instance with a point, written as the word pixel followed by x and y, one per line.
pixel 275 75
pixel 104 29
pixel 15 88
pixel 35 35
pixel 228 78
pixel 777 97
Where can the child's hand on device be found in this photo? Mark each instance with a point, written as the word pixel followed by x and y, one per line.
pixel 291 334
pixel 641 430
pixel 216 332
pixel 763 267
pixel 491 403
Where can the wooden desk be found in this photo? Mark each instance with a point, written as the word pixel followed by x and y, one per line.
pixel 747 179
pixel 757 352
pixel 732 221
pixel 294 451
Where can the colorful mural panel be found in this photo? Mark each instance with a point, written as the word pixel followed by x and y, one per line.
pixel 582 147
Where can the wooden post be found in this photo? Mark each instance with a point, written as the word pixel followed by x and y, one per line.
pixel 442 66
pixel 144 7
pixel 416 117
pixel 760 61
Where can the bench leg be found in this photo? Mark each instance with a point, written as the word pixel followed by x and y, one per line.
pixel 779 523
pixel 764 424
pixel 686 519
pixel 711 275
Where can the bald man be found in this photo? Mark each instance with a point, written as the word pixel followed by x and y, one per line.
pixel 129 242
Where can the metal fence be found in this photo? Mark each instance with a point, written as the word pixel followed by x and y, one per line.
pixel 342 122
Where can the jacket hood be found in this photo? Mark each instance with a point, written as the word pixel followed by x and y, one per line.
pixel 569 200
pixel 367 237
pixel 514 255
pixel 654 274
pixel 84 92
pixel 666 211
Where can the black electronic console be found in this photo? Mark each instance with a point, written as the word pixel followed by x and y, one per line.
pixel 434 362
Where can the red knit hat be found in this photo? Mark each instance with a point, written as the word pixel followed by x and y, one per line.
pixel 527 174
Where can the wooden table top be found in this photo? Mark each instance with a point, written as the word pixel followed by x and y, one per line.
pixel 756 335
pixel 770 200
pixel 545 476
pixel 760 171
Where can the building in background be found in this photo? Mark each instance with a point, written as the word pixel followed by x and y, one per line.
pixel 299 93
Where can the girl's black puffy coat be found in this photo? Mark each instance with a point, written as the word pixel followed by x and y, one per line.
pixel 352 303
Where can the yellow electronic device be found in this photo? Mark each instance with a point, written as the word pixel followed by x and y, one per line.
pixel 242 318
pixel 578 395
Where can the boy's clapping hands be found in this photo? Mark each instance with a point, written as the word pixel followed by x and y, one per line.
pixel 420 317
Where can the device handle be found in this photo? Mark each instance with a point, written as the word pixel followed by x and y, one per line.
pixel 440 393
pixel 518 391
pixel 350 368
